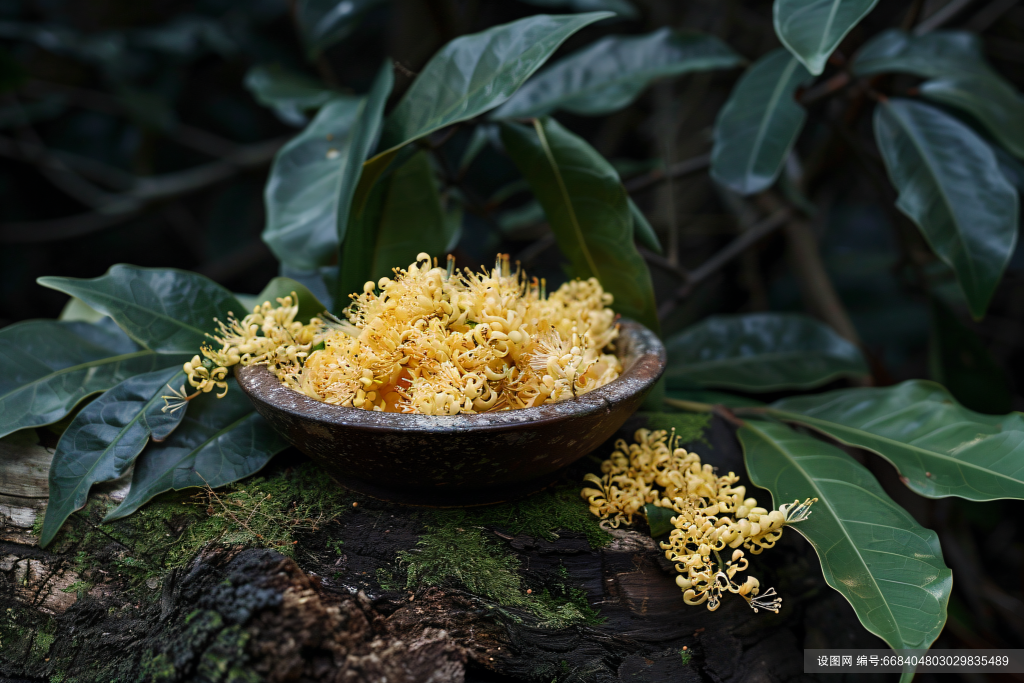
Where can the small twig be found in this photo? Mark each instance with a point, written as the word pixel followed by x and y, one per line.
pixel 126 205
pixel 937 19
pixel 663 263
pixel 536 248
pixel 184 134
pixel 826 89
pixel 717 408
pixel 989 14
pixel 744 241
pixel 31 152
pixel 676 170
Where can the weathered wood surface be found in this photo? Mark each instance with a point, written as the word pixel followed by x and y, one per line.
pixel 245 614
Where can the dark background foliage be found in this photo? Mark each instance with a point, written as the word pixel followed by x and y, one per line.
pixel 127 135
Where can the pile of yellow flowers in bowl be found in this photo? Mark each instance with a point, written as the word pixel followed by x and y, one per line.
pixel 441 386
pixel 431 340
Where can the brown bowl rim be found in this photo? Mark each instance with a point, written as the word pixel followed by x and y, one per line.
pixel 645 370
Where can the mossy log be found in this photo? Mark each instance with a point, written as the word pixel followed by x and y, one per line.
pixel 346 588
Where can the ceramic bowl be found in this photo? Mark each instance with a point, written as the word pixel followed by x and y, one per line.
pixel 460 460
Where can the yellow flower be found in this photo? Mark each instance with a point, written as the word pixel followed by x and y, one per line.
pixel 712 514
pixel 432 340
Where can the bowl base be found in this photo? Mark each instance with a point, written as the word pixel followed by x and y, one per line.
pixel 433 498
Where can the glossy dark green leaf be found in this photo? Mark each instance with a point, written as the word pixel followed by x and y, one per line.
pixel 872 551
pixel 940 448
pixel 407 218
pixel 951 186
pixel 309 305
pixel 314 178
pixel 588 210
pixel 992 101
pixel 288 93
pixel 164 309
pixel 473 74
pixel 323 23
pixel 760 352
pixel 219 441
pixel 611 73
pixel 659 520
pixel 812 29
pixel 959 360
pixel 103 440
pixel 47 367
pixel 643 231
pixel 759 124
pixel 623 8
pixel 933 55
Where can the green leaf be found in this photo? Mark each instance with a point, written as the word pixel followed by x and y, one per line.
pixel 588 210
pixel 940 448
pixel 872 551
pixel 304 191
pixel 288 93
pixel 959 360
pixel 643 231
pixel 314 177
pixel 48 367
pixel 407 219
pixel 812 29
pixel 992 101
pixel 611 73
pixel 165 310
pixel 623 8
pixel 473 74
pixel 934 55
pixel 659 520
pixel 104 439
pixel 759 123
pixel 309 305
pixel 760 352
pixel 951 186
pixel 219 441
pixel 323 23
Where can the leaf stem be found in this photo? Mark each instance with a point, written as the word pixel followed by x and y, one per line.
pixel 716 408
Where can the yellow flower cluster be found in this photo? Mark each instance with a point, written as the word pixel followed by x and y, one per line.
pixel 712 514
pixel 431 340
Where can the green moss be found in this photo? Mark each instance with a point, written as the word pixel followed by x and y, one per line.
pixel 170 530
pixel 42 644
pixel 386 579
pixel 156 668
pixel 456 553
pixel 14 637
pixel 263 512
pixel 542 516
pixel 225 654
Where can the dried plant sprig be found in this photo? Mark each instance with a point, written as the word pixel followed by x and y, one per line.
pixel 431 340
pixel 712 514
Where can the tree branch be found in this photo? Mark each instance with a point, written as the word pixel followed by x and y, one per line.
pixel 676 170
pixel 748 238
pixel 128 204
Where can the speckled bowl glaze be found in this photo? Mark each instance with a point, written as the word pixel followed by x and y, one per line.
pixel 460 460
